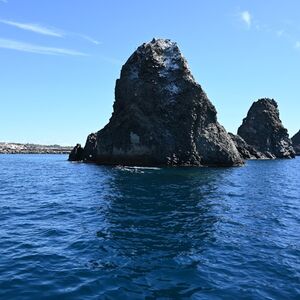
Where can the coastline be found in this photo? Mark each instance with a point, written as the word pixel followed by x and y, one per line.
pixel 19 148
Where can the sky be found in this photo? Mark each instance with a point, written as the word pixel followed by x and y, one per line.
pixel 60 59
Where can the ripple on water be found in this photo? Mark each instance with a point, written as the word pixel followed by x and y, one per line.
pixel 81 231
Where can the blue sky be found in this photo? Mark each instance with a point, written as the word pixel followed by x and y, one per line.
pixel 60 59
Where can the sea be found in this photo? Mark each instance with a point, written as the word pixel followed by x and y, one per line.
pixel 83 231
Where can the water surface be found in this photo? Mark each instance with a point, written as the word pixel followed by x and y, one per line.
pixel 82 231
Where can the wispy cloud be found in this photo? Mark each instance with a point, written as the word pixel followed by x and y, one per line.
pixel 89 39
pixel 33 48
pixel 282 32
pixel 34 28
pixel 3 1
pixel 246 18
pixel 46 30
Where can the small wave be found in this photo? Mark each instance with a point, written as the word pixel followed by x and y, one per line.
pixel 136 169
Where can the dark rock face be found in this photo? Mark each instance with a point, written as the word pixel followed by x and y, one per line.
pixel 246 151
pixel 90 149
pixel 77 153
pixel 262 129
pixel 161 116
pixel 296 142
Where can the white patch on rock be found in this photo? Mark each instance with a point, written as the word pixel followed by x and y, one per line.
pixel 134 138
pixel 169 58
pixel 169 64
pixel 172 88
pixel 161 43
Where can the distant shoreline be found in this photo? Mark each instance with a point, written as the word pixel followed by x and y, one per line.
pixel 18 148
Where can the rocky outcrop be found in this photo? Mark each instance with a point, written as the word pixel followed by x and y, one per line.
pixel 90 149
pixel 262 129
pixel 296 142
pixel 246 151
pixel 77 153
pixel 161 116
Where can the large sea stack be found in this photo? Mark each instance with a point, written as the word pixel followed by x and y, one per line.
pixel 161 116
pixel 262 129
pixel 296 142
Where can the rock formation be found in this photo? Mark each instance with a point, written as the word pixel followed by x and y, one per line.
pixel 296 142
pixel 77 153
pixel 90 149
pixel 246 151
pixel 161 116
pixel 262 129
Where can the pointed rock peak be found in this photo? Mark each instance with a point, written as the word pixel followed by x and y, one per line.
pixel 161 116
pixel 160 46
pixel 264 105
pixel 161 43
pixel 263 129
pixel 265 102
pixel 159 57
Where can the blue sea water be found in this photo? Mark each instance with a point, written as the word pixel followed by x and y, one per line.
pixel 82 231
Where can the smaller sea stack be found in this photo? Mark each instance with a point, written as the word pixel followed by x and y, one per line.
pixel 262 129
pixel 76 154
pixel 296 142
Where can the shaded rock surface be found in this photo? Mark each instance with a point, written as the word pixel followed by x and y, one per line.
pixel 76 153
pixel 246 151
pixel 263 130
pixel 296 142
pixel 161 116
pixel 90 149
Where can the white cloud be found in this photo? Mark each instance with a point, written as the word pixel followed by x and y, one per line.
pixel 32 48
pixel 246 18
pixel 34 28
pixel 297 45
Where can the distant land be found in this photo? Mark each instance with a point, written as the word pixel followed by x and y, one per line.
pixel 18 148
